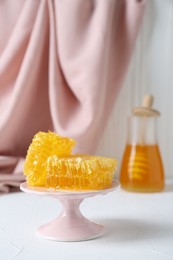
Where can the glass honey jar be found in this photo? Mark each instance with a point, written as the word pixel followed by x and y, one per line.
pixel 142 168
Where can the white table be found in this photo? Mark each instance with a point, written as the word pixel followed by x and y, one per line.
pixel 139 226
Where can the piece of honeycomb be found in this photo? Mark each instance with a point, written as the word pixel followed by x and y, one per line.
pixel 43 146
pixel 80 172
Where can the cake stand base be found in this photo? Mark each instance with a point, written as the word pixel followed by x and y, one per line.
pixel 70 225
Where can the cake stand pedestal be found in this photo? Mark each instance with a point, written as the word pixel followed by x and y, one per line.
pixel 70 225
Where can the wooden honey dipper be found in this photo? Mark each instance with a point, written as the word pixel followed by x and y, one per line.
pixel 146 108
pixel 138 165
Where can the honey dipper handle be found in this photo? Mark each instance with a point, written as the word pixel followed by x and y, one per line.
pixel 147 101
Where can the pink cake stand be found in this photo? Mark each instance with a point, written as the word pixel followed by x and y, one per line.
pixel 70 225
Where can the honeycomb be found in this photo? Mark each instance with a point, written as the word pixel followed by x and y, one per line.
pixel 43 146
pixel 80 172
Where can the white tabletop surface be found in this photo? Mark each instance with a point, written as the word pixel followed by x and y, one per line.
pixel 139 226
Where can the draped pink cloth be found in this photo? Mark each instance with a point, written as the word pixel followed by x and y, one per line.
pixel 62 63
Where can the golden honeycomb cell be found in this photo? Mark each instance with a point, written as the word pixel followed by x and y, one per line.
pixel 80 172
pixel 43 146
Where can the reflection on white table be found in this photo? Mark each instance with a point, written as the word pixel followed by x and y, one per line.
pixel 139 226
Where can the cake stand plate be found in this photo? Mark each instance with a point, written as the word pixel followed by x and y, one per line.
pixel 70 225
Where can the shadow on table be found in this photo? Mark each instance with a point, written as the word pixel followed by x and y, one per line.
pixel 127 230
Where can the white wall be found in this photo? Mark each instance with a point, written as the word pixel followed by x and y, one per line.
pixel 150 71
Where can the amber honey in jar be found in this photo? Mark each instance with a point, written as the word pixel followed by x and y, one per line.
pixel 142 169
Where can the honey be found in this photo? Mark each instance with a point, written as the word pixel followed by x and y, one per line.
pixel 80 172
pixel 44 145
pixel 50 163
pixel 142 168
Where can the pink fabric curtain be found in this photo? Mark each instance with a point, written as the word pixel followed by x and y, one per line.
pixel 62 63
